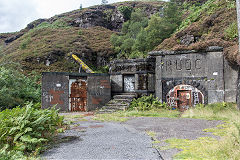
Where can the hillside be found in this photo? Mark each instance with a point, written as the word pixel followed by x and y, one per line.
pixel 45 44
pixel 212 24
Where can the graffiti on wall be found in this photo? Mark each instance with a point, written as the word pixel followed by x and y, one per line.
pixel 53 97
pixel 129 83
pixel 184 96
pixel 182 64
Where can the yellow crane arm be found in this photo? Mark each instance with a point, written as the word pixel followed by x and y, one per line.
pixel 84 66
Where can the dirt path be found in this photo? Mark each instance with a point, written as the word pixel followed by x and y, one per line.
pixel 108 140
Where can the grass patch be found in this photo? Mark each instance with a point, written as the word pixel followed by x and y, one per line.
pixel 231 31
pixel 227 147
pixel 123 116
pixel 153 135
pixel 117 117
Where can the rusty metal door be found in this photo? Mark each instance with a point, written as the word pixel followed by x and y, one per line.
pixel 78 96
pixel 184 99
pixel 129 83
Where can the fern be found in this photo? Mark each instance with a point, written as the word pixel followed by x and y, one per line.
pixel 27 129
pixel 146 103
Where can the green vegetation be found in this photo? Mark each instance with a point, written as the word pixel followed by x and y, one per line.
pixel 16 88
pixel 228 147
pixel 140 35
pixel 196 12
pixel 146 106
pixel 26 131
pixel 231 31
pixel 60 23
pixel 126 11
pixel 147 103
pixel 123 116
pixel 153 135
pixel 24 43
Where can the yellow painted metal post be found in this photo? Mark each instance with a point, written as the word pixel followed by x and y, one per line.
pixel 84 66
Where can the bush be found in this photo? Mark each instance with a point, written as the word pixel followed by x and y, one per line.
pixel 16 89
pixel 126 11
pixel 26 130
pixel 147 103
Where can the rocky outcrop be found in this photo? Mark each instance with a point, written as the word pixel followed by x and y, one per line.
pixel 108 16
pixel 13 38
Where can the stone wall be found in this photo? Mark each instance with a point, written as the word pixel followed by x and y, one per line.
pixel 207 71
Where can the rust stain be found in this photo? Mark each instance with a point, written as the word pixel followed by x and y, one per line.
pixel 89 114
pixel 56 97
pixel 96 100
pixel 78 96
pixel 96 126
pixel 183 97
pixel 105 83
pixel 79 128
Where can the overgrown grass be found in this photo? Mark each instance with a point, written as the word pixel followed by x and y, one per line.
pixel 231 31
pixel 227 147
pixel 195 13
pixel 123 116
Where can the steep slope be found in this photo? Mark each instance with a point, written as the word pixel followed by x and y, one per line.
pixel 45 44
pixel 212 24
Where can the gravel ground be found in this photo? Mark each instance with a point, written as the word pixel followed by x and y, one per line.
pixel 128 140
pixel 104 141
pixel 165 128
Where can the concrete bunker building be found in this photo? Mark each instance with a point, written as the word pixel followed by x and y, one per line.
pixel 75 91
pixel 187 78
pixel 183 79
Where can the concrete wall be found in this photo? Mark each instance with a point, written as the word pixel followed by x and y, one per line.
pixel 99 91
pixel 207 71
pixel 55 90
pixel 142 69
pixel 230 81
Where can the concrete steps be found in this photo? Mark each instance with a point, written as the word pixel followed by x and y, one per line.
pixel 118 103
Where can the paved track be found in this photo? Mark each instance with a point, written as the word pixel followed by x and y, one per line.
pixel 128 140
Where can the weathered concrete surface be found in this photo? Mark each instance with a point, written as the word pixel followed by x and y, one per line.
pixel 55 90
pixel 141 69
pixel 206 70
pixel 128 140
pixel 165 128
pixel 99 91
